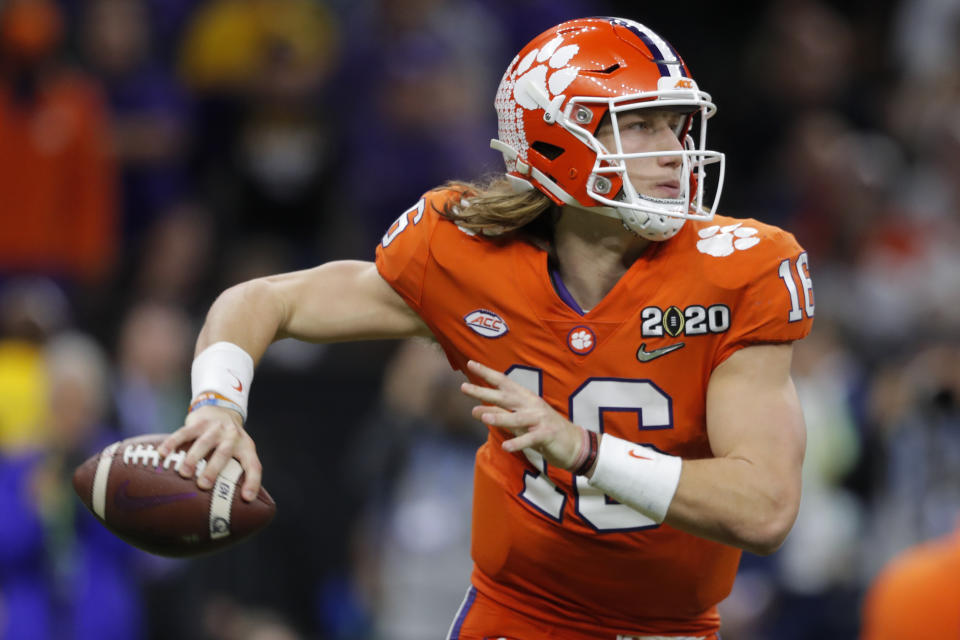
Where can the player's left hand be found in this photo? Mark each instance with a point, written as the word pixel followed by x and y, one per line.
pixel 536 425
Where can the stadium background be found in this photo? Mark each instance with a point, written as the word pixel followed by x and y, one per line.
pixel 153 152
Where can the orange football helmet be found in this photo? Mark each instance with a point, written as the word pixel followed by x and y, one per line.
pixel 558 90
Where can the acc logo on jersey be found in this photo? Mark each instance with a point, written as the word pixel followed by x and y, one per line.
pixel 581 340
pixel 486 323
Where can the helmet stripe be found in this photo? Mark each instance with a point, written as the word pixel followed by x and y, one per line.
pixel 682 66
pixel 664 55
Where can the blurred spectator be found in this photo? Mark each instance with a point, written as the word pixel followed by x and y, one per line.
pixel 175 266
pixel 57 181
pixel 176 259
pixel 152 384
pixel 913 410
pixel 224 619
pixel 820 553
pixel 917 596
pixel 925 37
pixel 800 60
pixel 267 149
pixel 62 574
pixel 236 45
pixel 422 113
pixel 31 309
pixel 818 568
pixel 150 111
pixel 414 561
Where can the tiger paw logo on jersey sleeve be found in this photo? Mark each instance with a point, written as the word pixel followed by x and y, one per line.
pixel 720 241
pixel 581 340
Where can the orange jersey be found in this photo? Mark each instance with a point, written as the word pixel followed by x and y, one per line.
pixel 917 595
pixel 635 366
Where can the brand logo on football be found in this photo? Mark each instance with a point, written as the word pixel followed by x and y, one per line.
pixel 126 502
pixel 486 323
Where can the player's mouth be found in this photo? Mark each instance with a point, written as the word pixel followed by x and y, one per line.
pixel 668 189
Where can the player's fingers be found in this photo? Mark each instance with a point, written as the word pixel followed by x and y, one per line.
pixel 221 455
pixel 508 419
pixel 497 379
pixel 210 439
pixel 483 394
pixel 183 434
pixel 492 376
pixel 252 469
pixel 478 411
pixel 530 439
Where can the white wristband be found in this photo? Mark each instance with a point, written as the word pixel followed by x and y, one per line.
pixel 225 368
pixel 638 476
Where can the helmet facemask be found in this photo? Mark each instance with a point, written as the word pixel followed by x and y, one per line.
pixel 648 216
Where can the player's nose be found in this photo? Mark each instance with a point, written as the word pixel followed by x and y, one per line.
pixel 667 140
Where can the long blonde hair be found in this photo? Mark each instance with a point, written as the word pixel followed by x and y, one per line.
pixel 493 208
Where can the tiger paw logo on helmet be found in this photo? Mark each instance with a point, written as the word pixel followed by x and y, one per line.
pixel 526 86
pixel 533 89
pixel 720 241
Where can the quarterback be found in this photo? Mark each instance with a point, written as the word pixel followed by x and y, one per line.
pixel 628 348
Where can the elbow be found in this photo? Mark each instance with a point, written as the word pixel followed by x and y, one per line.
pixel 767 533
pixel 260 294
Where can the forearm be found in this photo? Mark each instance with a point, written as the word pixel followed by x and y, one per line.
pixel 732 501
pixel 337 301
pixel 249 315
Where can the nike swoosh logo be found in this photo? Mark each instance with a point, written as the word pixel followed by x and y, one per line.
pixel 633 454
pixel 646 356
pixel 123 501
pixel 239 385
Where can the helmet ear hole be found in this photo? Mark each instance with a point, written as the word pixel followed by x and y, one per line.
pixel 547 150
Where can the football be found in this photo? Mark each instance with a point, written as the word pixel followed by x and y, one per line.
pixel 143 500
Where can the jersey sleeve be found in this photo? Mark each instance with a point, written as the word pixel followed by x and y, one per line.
pixel 776 304
pixel 404 250
pixel 409 261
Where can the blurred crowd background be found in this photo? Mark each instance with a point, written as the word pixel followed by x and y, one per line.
pixel 154 152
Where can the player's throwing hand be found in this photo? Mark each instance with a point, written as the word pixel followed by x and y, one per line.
pixel 217 430
pixel 536 425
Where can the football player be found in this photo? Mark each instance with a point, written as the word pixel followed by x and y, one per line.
pixel 628 348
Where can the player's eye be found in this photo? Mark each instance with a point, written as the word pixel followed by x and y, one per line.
pixel 638 124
